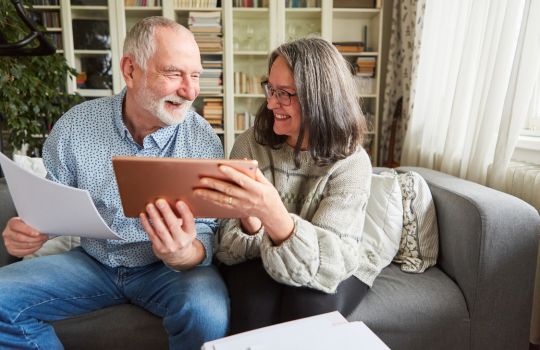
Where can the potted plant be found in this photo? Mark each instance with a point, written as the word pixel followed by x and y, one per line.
pixel 32 89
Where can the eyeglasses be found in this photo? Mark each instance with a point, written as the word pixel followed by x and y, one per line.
pixel 283 97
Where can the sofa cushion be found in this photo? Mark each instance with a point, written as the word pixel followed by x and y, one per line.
pixel 416 311
pixel 419 244
pixel 33 165
pixel 383 224
pixel 124 326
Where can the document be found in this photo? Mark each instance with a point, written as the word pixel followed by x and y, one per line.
pixel 52 208
pixel 321 332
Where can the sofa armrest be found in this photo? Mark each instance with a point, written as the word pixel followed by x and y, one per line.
pixel 7 211
pixel 488 245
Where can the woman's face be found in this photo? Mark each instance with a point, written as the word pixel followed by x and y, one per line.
pixel 287 118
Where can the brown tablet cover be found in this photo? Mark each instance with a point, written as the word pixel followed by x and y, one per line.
pixel 142 180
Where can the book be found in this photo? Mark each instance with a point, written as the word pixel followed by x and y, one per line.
pixel 349 46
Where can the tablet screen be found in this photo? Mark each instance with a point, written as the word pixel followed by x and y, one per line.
pixel 142 180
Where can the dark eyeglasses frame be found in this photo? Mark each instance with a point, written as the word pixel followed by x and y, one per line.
pixel 283 97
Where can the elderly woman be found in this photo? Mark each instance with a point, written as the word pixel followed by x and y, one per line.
pixel 297 249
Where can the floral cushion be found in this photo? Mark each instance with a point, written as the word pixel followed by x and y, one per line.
pixel 419 245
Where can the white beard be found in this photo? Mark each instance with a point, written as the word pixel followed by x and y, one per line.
pixel 157 106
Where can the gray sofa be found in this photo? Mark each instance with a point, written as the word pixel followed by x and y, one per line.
pixel 478 296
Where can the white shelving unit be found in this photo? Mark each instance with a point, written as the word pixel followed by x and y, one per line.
pixel 248 34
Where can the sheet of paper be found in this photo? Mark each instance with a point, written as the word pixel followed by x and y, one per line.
pixel 321 332
pixel 353 335
pixel 53 208
pixel 288 335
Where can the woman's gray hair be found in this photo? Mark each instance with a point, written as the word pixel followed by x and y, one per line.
pixel 139 41
pixel 328 96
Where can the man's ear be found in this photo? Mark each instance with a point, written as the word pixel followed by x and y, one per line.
pixel 127 66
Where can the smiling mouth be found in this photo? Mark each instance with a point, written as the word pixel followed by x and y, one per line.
pixel 281 116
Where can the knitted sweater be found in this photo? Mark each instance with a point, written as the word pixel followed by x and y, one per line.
pixel 328 207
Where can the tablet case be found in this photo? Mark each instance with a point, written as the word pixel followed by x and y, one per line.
pixel 142 180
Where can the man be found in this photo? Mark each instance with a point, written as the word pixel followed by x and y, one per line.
pixel 163 263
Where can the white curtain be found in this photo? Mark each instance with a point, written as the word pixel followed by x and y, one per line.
pixel 478 65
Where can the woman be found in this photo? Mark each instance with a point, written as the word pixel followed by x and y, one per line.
pixel 304 212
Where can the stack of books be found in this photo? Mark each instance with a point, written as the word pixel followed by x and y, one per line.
pixel 302 3
pixel 247 84
pixel 50 19
pixel 349 46
pixel 195 3
pixel 243 121
pixel 365 66
pixel 213 111
pixel 145 3
pixel 250 3
pixel 206 27
pixel 211 81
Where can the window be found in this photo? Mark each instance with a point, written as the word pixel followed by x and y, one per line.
pixel 532 126
pixel 528 146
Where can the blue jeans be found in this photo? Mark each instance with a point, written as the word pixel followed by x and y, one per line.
pixel 193 304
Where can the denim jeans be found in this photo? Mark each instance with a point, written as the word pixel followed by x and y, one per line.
pixel 193 304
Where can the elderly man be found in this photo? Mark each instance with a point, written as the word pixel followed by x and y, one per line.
pixel 164 263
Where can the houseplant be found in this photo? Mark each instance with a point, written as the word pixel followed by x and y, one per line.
pixel 32 89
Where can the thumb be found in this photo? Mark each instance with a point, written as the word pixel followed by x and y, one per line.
pixel 259 176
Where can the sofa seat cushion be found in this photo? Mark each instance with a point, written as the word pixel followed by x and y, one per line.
pixel 415 311
pixel 118 327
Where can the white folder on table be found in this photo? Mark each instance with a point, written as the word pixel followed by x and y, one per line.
pixel 321 332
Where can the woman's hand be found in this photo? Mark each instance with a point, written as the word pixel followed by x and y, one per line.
pixel 251 224
pixel 21 239
pixel 254 198
pixel 173 238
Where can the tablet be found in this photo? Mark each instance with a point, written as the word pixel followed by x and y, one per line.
pixel 142 180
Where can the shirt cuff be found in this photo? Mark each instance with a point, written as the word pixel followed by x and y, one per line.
pixel 206 236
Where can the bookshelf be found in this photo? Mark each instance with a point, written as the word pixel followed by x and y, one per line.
pixel 47 14
pixel 236 49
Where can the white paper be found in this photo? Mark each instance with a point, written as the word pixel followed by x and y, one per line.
pixel 319 332
pixel 53 208
pixel 353 335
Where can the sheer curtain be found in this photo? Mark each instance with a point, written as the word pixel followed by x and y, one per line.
pixel 476 73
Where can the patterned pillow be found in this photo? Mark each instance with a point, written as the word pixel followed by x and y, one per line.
pixel 419 245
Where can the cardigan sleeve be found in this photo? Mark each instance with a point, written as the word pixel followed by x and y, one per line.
pixel 235 246
pixel 324 251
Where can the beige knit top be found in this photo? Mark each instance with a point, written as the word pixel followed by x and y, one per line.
pixel 328 206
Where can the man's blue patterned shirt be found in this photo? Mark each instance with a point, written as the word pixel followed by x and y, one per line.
pixel 78 153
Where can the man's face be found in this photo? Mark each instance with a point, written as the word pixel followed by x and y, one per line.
pixel 170 83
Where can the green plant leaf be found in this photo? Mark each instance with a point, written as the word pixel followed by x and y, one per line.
pixel 32 89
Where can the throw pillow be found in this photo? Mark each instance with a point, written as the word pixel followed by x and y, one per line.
pixel 384 221
pixel 419 246
pixel 57 244
pixel 33 165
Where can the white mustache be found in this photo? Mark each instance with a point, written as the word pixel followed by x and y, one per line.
pixel 175 99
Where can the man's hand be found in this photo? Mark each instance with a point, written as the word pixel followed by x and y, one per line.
pixel 20 239
pixel 173 238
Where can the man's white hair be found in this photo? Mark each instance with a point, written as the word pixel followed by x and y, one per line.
pixel 139 41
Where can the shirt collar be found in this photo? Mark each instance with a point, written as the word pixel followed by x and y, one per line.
pixel 118 101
